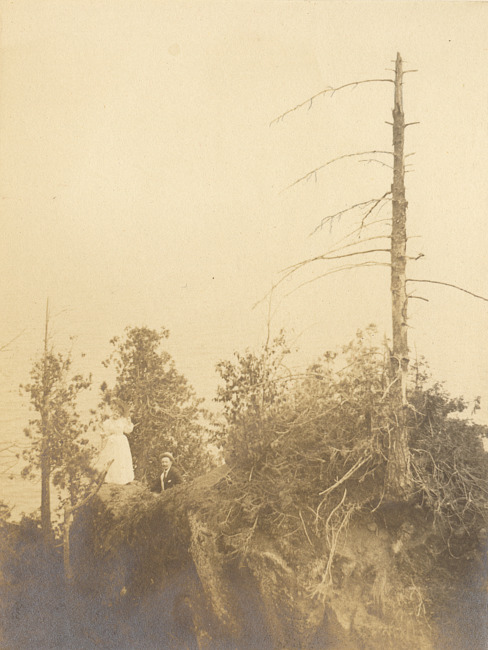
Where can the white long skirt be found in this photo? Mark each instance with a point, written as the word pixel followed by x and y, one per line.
pixel 117 450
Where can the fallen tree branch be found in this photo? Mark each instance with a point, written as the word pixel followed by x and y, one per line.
pixel 320 590
pixel 305 529
pixel 332 511
pixel 347 475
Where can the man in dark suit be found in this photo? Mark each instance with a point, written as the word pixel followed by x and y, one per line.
pixel 169 476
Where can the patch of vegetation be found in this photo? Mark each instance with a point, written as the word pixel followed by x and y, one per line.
pixel 310 457
pixel 33 610
pixel 300 516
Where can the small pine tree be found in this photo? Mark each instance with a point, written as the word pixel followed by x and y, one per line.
pixel 58 446
pixel 254 385
pixel 167 415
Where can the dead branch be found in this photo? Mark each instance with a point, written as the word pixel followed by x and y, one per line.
pixel 338 270
pixel 410 295
pixel 347 475
pixel 383 198
pixel 290 270
pixel 328 253
pixel 7 468
pixel 357 242
pixel 448 284
pixel 339 257
pixel 310 100
pixel 332 511
pixel 387 389
pixel 305 529
pixel 10 456
pixel 361 204
pixel 359 229
pixel 324 257
pixel 10 446
pixel 309 174
pixel 5 346
pixel 375 160
pixel 321 589
pixel 248 537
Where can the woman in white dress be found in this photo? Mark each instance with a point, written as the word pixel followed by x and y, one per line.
pixel 117 449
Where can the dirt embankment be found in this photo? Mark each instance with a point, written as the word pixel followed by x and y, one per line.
pixel 158 570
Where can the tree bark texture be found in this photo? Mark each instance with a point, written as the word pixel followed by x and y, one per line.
pixel 45 489
pixel 399 456
pixel 45 447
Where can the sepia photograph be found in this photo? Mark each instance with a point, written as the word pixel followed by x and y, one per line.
pixel 244 325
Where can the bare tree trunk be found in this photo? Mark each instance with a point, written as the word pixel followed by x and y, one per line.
pixel 398 478
pixel 45 493
pixel 45 450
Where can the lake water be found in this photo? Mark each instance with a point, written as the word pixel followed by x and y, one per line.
pixel 195 358
pixel 22 495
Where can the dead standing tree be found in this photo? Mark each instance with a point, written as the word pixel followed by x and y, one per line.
pixel 398 480
pixel 45 442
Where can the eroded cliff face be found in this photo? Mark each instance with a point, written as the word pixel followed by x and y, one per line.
pixel 156 571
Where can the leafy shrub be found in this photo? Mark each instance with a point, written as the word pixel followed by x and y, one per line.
pixel 310 450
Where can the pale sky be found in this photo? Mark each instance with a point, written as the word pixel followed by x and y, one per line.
pixel 142 184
